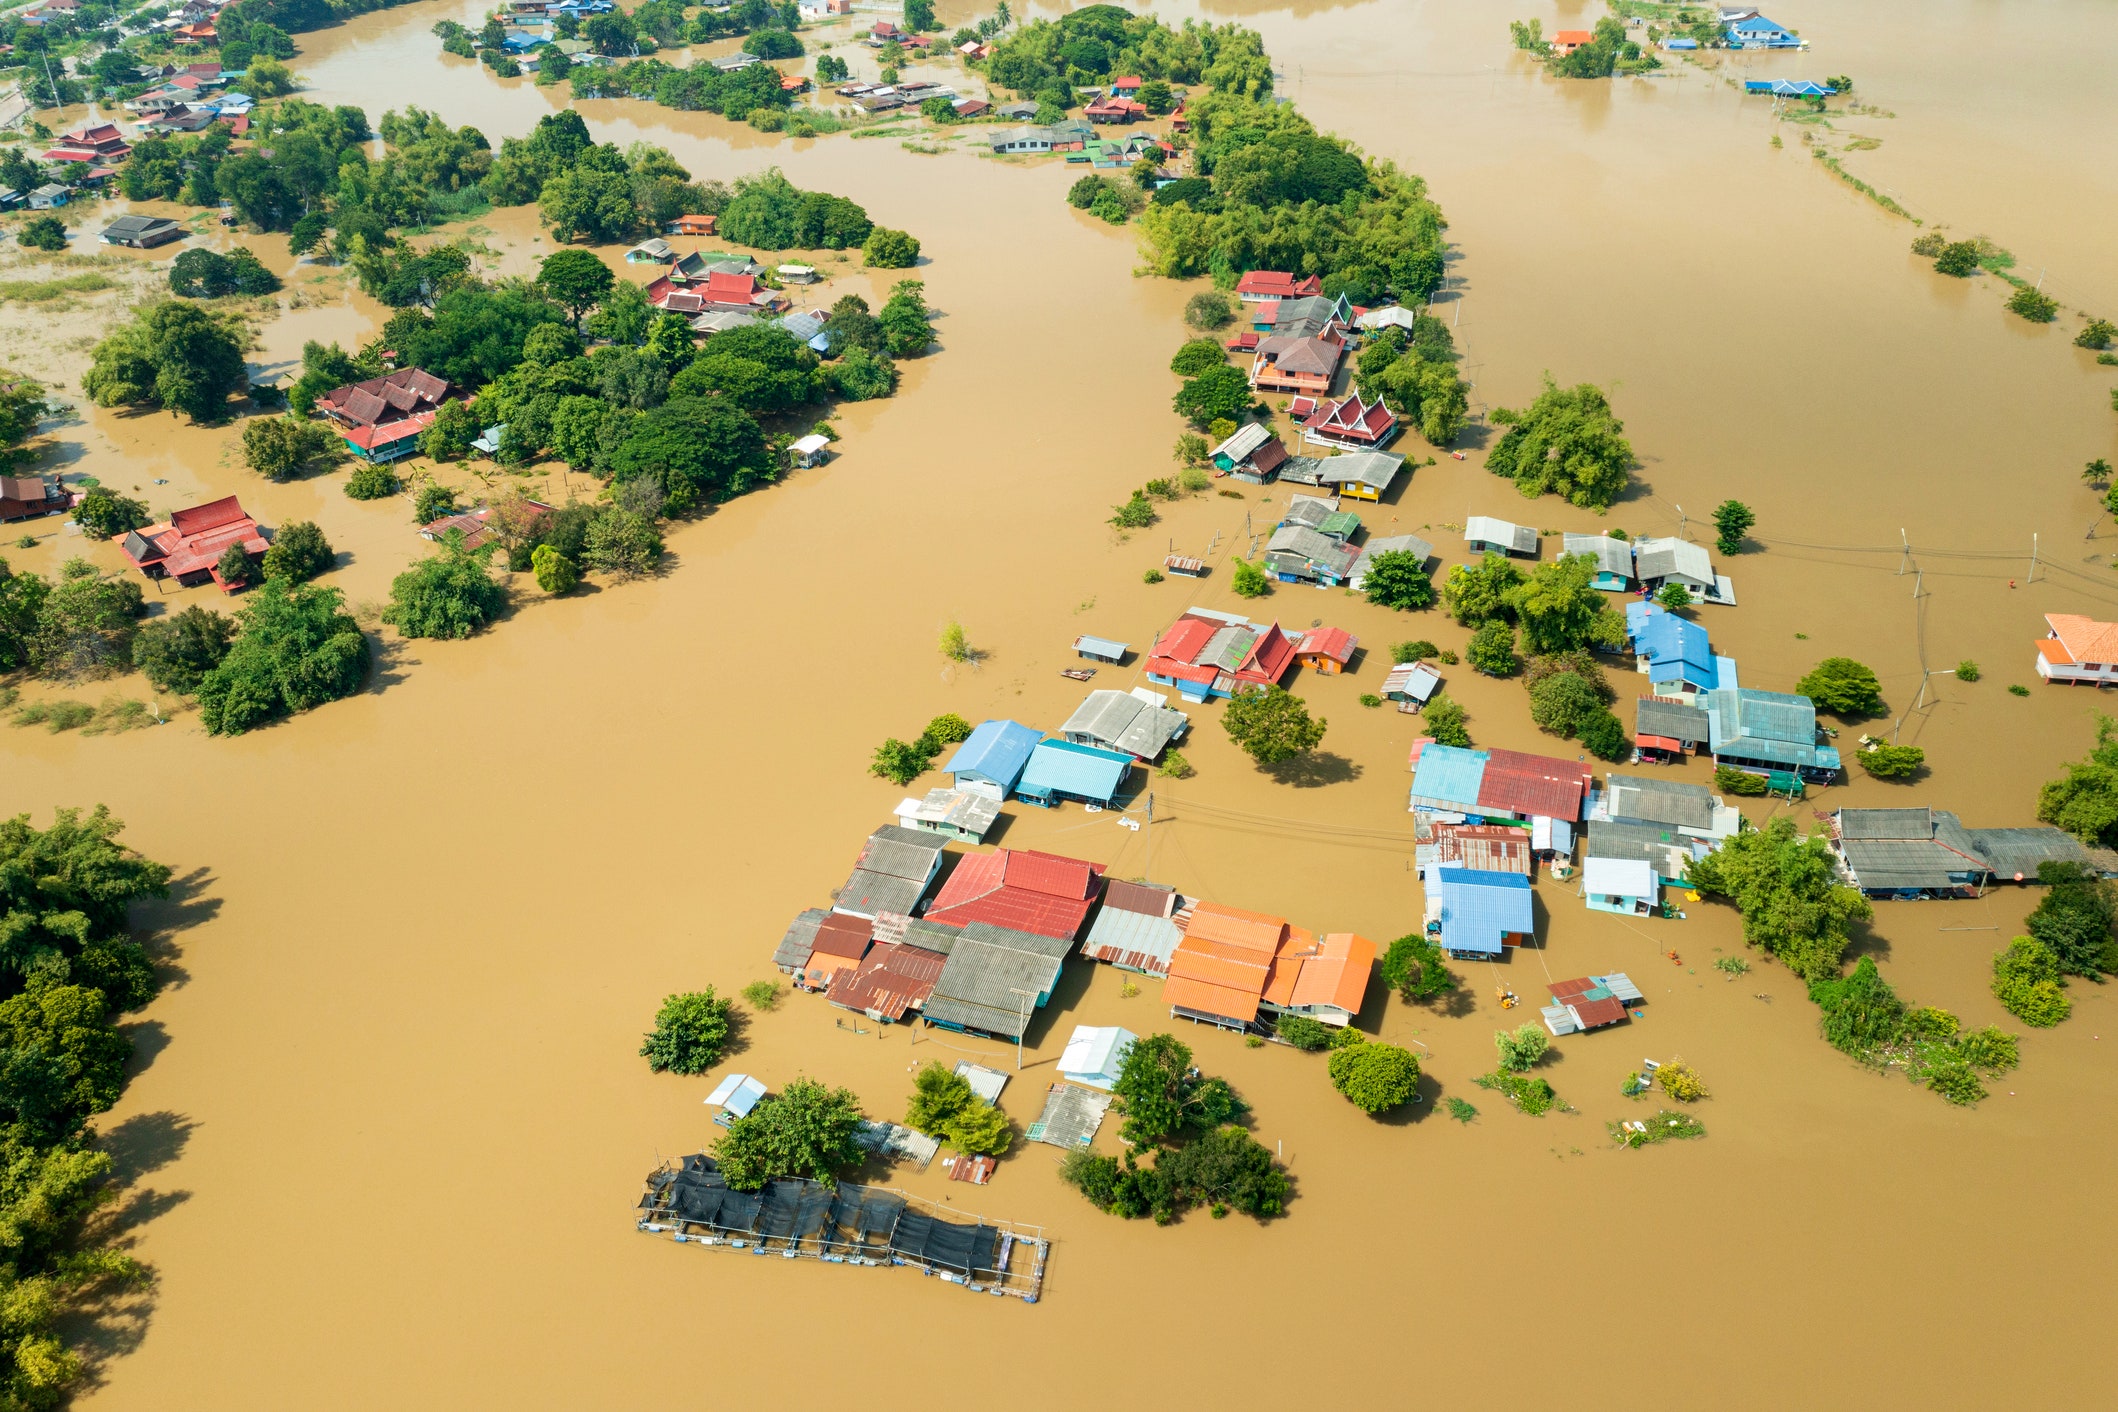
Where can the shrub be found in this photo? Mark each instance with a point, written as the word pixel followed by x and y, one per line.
pixel 1891 762
pixel 2096 333
pixel 764 995
pixel 1174 766
pixel 1374 1077
pixel 1417 650
pixel 956 645
pixel 1415 968
pixel 1445 718
pixel 372 483
pixel 1304 1033
pixel 887 249
pixel 2026 983
pixel 1272 726
pixel 1958 258
pixel 1370 700
pixel 1522 1049
pixel 177 651
pixel 1967 670
pixel 449 595
pixel 901 761
pixel 691 1033
pixel 1681 1082
pixel 1492 649
pixel 1930 243
pixel 2017 689
pixel 2034 305
pixel 1208 309
pixel 44 233
pixel 1197 356
pixel 555 572
pixel 1844 687
pixel 946 729
pixel 1249 581
pixel 1397 578
pixel 1603 734
pixel 1136 513
pixel 299 552
pixel 1674 596
pixel 1151 576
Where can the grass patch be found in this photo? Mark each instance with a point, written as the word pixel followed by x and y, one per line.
pixel 763 995
pixel 1731 965
pixel 117 715
pixel 1665 1126
pixel 1461 1111
pixel 1532 1096
pixel 1863 187
pixel 40 291
pixel 55 716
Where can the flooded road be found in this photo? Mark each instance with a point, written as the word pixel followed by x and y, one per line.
pixel 392 1118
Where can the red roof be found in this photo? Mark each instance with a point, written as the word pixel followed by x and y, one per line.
pixel 1593 1014
pixel 1352 418
pixel 843 935
pixel 194 540
pixel 724 287
pixel 1574 36
pixel 1534 784
pixel 892 980
pixel 1335 643
pixel 1176 653
pixel 402 394
pixel 1278 284
pixel 1018 889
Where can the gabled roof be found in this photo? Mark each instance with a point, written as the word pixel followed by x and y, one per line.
pixel 1019 889
pixel 1334 643
pixel 1662 558
pixel 1245 442
pixel 899 852
pixel 1376 469
pixel 1126 722
pixel 996 750
pixel 1612 556
pixel 994 977
pixel 1064 767
pixel 1672 720
pixel 1317 549
pixel 1478 908
pixel 1484 529
pixel 1619 877
pixel 1277 283
pixel 1335 974
pixel 2085 639
pixel 1534 784
pixel 1392 544
pixel 1648 800
pixel 1257 932
pixel 794 948
pixel 1314 357
pixel 1676 647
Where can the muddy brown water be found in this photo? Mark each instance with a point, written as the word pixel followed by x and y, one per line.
pixel 388 1121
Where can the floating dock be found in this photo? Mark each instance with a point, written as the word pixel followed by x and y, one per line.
pixel 797 1219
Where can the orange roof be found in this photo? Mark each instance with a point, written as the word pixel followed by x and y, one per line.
pixel 1253 931
pixel 2055 652
pixel 2085 638
pixel 1220 964
pixel 1338 974
pixel 1573 36
pixel 1287 966
pixel 1209 999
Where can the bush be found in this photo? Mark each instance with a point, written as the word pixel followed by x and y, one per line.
pixel 1304 1033
pixel 1418 650
pixel 1681 1082
pixel 1844 687
pixel 372 483
pixel 44 233
pixel 1136 513
pixel 1967 670
pixel 1397 578
pixel 1930 243
pixel 1958 258
pixel 1272 726
pixel 1603 734
pixel 299 552
pixel 176 652
pixel 902 761
pixel 448 595
pixel 1563 702
pixel 1374 1077
pixel 887 249
pixel 2096 333
pixel 1492 649
pixel 1414 967
pixel 1891 762
pixel 1174 766
pixel 622 542
pixel 1730 780
pixel 956 644
pixel 555 572
pixel 1151 576
pixel 2026 983
pixel 1247 580
pixel 1197 356
pixel 294 649
pixel 1521 1050
pixel 764 995
pixel 1370 700
pixel 2034 305
pixel 1674 596
pixel 1209 309
pixel 102 515
pixel 691 1033
pixel 1445 718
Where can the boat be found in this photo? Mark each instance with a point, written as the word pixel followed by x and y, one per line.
pixel 1078 673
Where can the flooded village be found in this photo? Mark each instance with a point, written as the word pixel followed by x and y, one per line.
pixel 936 747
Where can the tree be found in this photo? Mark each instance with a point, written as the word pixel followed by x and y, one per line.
pixel 1604 736
pixel 1197 356
pixel 1520 1051
pixel 1557 604
pixel 2096 333
pixel 1674 596
pixel 1958 258
pixel 1862 1014
pixel 1247 580
pixel 43 233
pixel 830 69
pixel 1216 393
pixel 1567 443
pixel 1303 1033
pixel 943 1105
pixel 1732 520
pixel 449 594
pixel 901 761
pixel 576 280
pixel 591 202
pixel 1138 512
pixel 176 652
pixel 433 502
pixel 1478 593
pixel 175 356
pixel 2076 918
pixel 805 1131
pixel 2085 801
pixel 1444 717
pixel 1415 968
pixel 2026 983
pixel 887 249
pixel 1161 1094
pixel 294 649
pixel 773 43
pixel 1398 578
pixel 555 572
pixel 85 623
pixel 1492 649
pixel 919 16
pixel 904 320
pixel 691 1033
pixel 622 542
pixel 1891 762
pixel 279 448
pixel 102 515
pixel 2033 304
pixel 1787 887
pixel 1208 310
pixel 956 644
pixel 268 78
pixel 1374 1077
pixel 1844 687
pixel 372 483
pixel 1271 725
pixel 1564 702
pixel 1680 1081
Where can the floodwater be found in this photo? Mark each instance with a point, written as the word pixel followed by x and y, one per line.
pixel 389 1121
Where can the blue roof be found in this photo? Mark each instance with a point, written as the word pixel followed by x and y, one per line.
pixel 1682 44
pixel 1676 646
pixel 1082 771
pixel 1478 907
pixel 1756 24
pixel 1449 773
pixel 996 751
pixel 1725 673
pixel 1773 726
pixel 1788 87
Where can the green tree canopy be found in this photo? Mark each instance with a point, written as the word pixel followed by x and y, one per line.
pixel 691 1033
pixel 175 356
pixel 1557 604
pixel 176 652
pixel 1844 687
pixel 1217 393
pixel 1481 592
pixel 1787 888
pixel 576 280
pixel 1272 726
pixel 450 594
pixel 1398 578
pixel 294 649
pixel 1161 1096
pixel 1567 443
pixel 807 1130
pixel 1374 1077
pixel 1732 520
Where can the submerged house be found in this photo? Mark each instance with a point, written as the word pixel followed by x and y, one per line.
pixel 1770 733
pixel 1322 514
pixel 1360 475
pixel 1134 723
pixel 1296 554
pixel 1095 1054
pixel 1919 853
pixel 1021 890
pixel 1260 285
pixel 1590 1003
pixel 1060 770
pixel 1410 685
pixel 1665 730
pixel 1324 980
pixel 1286 363
pixel 141 232
pixel 1473 914
pixel 1674 653
pixel 1485 848
pixel 1627 886
pixel 1252 454
pixel 28 497
pixel 1497 784
pixel 839 943
pixel 1138 926
pixel 1207 654
pixel 1614 559
pixel 951 813
pixel 895 868
pixel 995 978
pixel 992 758
pixel 2078 649
pixel 190 546
pixel 1350 424
pixel 1482 534
pixel 1327 650
pixel 1219 970
pixel 1658 562
pixel 383 418
pixel 895 978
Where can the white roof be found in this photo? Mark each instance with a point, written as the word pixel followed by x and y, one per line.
pixel 1487 530
pixel 986 1083
pixel 1619 877
pixel 738 1093
pixel 1247 439
pixel 1096 1049
pixel 1394 315
pixel 810 445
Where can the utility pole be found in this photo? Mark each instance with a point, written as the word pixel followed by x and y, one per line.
pixel 1017 990
pixel 1148 872
pixel 2033 559
pixel 1682 521
pixel 1907 559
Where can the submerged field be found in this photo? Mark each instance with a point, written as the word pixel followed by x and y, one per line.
pixel 389 1123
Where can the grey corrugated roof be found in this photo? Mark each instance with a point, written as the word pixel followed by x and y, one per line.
pixel 1484 529
pixel 1124 722
pixel 1133 939
pixel 1375 469
pixel 987 965
pixel 1663 848
pixel 1903 863
pixel 795 947
pixel 1655 801
pixel 1309 510
pixel 867 893
pixel 1886 824
pixel 1612 556
pixel 1659 558
pixel 1318 549
pixel 2012 851
pixel 1672 719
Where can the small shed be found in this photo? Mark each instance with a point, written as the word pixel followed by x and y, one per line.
pixel 1095 1054
pixel 1410 685
pixel 47 197
pixel 1101 649
pixel 1589 1003
pixel 1614 558
pixel 1327 650
pixel 986 1083
pixel 952 813
pixel 141 232
pixel 488 441
pixel 735 1096
pixel 809 450
pixel 1626 886
pixel 1070 1118
pixel 1485 535
pixel 652 251
pixel 1182 564
pixel 692 225
pixel 798 274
